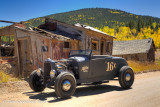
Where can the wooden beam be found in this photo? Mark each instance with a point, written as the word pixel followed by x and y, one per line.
pixel 7 21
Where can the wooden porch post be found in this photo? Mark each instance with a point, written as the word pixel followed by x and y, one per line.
pixel 0 46
pixel 16 53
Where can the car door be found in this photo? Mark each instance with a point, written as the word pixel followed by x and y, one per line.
pixel 101 67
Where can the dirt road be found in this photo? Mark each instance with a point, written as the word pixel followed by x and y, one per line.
pixel 144 93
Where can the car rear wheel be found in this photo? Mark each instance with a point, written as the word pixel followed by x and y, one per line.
pixel 126 77
pixel 65 85
pixel 36 81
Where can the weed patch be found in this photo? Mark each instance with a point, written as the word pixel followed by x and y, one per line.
pixel 139 66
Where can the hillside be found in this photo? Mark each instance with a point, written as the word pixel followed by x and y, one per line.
pixel 123 25
pixel 95 17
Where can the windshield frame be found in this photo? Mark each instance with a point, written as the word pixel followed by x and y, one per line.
pixel 88 55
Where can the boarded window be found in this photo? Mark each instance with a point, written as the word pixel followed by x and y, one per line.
pixel 108 47
pixel 44 49
pixel 66 45
pixel 95 45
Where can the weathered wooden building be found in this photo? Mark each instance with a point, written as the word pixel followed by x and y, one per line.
pixel 54 40
pixel 138 50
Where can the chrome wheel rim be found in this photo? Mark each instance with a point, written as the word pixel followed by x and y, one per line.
pixel 66 85
pixel 128 77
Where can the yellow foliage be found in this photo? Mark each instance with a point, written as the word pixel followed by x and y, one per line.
pixel 115 12
pixel 108 30
pixel 79 15
pixel 154 24
pixel 125 33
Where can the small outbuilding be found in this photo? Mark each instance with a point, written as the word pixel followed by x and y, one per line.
pixel 138 50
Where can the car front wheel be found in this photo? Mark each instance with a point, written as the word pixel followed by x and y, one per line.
pixel 65 85
pixel 126 77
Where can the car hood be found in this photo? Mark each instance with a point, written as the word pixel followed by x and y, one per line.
pixel 79 59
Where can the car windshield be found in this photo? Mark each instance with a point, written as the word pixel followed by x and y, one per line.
pixel 80 52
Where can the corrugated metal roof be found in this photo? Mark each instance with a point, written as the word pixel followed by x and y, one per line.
pixel 51 34
pixel 131 46
pixel 93 29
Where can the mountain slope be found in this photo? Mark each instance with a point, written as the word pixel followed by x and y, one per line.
pixel 95 17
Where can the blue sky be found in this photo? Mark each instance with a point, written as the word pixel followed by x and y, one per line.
pixel 22 10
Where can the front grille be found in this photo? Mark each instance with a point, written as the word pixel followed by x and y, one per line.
pixel 47 69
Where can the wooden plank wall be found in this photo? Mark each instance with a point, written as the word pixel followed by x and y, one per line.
pixel 91 35
pixel 55 49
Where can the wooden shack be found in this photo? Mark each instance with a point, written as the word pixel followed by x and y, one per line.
pixel 137 50
pixel 8 46
pixel 54 40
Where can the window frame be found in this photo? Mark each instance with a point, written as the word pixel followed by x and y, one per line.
pixel 7 40
pixel 96 48
pixel 108 47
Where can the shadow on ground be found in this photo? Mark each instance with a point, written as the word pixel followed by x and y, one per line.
pixel 80 91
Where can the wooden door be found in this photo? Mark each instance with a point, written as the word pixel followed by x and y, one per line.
pixel 24 57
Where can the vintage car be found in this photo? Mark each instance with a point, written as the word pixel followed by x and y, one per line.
pixel 80 68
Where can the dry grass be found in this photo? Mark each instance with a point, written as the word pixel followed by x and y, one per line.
pixel 4 77
pixel 139 66
pixel 7 73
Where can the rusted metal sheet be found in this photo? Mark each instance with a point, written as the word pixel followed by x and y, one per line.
pixel 59 52
pixel 57 49
pixel 38 55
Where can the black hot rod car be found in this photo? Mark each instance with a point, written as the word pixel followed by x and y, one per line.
pixel 80 68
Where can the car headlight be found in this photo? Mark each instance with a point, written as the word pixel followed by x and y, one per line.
pixel 39 71
pixel 52 73
pixel 59 66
